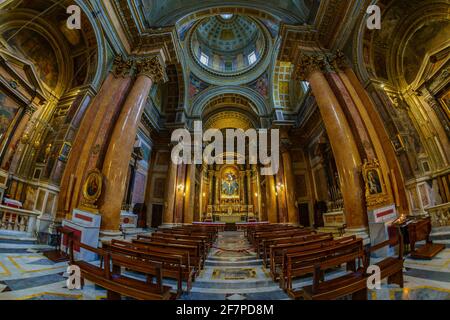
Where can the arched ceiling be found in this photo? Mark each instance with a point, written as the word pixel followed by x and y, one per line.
pixel 227 46
pixel 411 32
pixel 37 31
pixel 230 111
pixel 168 12
pixel 228 120
pixel 227 35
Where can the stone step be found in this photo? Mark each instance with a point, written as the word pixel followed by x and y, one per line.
pixel 209 263
pixel 18 239
pixel 232 284
pixel 440 233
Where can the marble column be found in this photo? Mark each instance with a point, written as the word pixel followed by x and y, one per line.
pixel 258 196
pixel 115 166
pixel 363 123
pixel 18 133
pixel 381 133
pixel 217 188
pixel 189 202
pixel 210 187
pixel 249 187
pixel 91 141
pixel 241 186
pixel 289 184
pixel 180 193
pixel 342 142
pixel 170 194
pixel 271 207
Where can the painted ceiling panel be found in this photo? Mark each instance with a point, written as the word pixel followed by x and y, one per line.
pixel 168 12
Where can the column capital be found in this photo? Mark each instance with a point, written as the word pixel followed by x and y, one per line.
pixel 30 109
pixel 338 61
pixel 122 68
pixel 285 145
pixel 306 64
pixel 152 68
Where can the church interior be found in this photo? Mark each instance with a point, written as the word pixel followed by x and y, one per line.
pixel 93 207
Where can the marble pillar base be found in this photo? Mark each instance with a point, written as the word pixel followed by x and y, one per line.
pixel 362 233
pixel 108 235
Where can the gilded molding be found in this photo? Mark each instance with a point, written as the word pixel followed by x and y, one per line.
pixel 152 68
pixel 30 110
pixel 307 64
pixel 122 68
pixel 338 61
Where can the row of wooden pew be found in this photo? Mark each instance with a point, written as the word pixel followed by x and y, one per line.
pixel 176 253
pixel 293 252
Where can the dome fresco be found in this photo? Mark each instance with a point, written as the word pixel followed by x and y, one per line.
pixel 227 44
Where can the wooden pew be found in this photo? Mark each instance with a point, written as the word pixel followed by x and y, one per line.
pixel 175 239
pixel 278 228
pixel 117 284
pixel 277 254
pixel 212 235
pixel 267 233
pixel 261 238
pixel 194 252
pixel 175 263
pixel 390 267
pixel 289 241
pixel 292 265
pixel 317 262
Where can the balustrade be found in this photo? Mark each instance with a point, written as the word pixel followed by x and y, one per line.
pixel 17 221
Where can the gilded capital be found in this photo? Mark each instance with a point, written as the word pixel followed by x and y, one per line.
pixel 307 64
pixel 30 110
pixel 339 61
pixel 285 145
pixel 121 67
pixel 152 68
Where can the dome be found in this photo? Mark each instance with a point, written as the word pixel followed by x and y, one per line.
pixel 227 44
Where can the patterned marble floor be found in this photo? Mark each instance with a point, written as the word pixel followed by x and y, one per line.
pixel 231 272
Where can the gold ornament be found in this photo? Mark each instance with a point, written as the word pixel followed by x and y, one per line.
pixel 151 68
pixel 92 189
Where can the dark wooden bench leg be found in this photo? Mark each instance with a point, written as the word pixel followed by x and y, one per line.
pixel 111 295
pixel 360 295
pixel 351 266
pixel 397 278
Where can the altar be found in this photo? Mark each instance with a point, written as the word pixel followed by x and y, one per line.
pixel 231 200
pixel 233 218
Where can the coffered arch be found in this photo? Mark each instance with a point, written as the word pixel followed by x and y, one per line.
pixel 242 97
pixel 168 12
pixel 408 33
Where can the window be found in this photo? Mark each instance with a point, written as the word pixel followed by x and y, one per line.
pixel 252 58
pixel 227 16
pixel 204 59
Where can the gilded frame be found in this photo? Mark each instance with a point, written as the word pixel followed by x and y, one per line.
pixel 375 187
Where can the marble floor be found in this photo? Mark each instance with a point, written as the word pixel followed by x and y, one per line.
pixel 231 272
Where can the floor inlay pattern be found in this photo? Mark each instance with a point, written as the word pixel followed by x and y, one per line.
pixel 232 272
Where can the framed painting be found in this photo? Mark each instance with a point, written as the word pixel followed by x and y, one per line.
pixel 64 152
pixel 376 194
pixel 8 112
pixel 398 143
pixel 445 102
pixel 92 188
